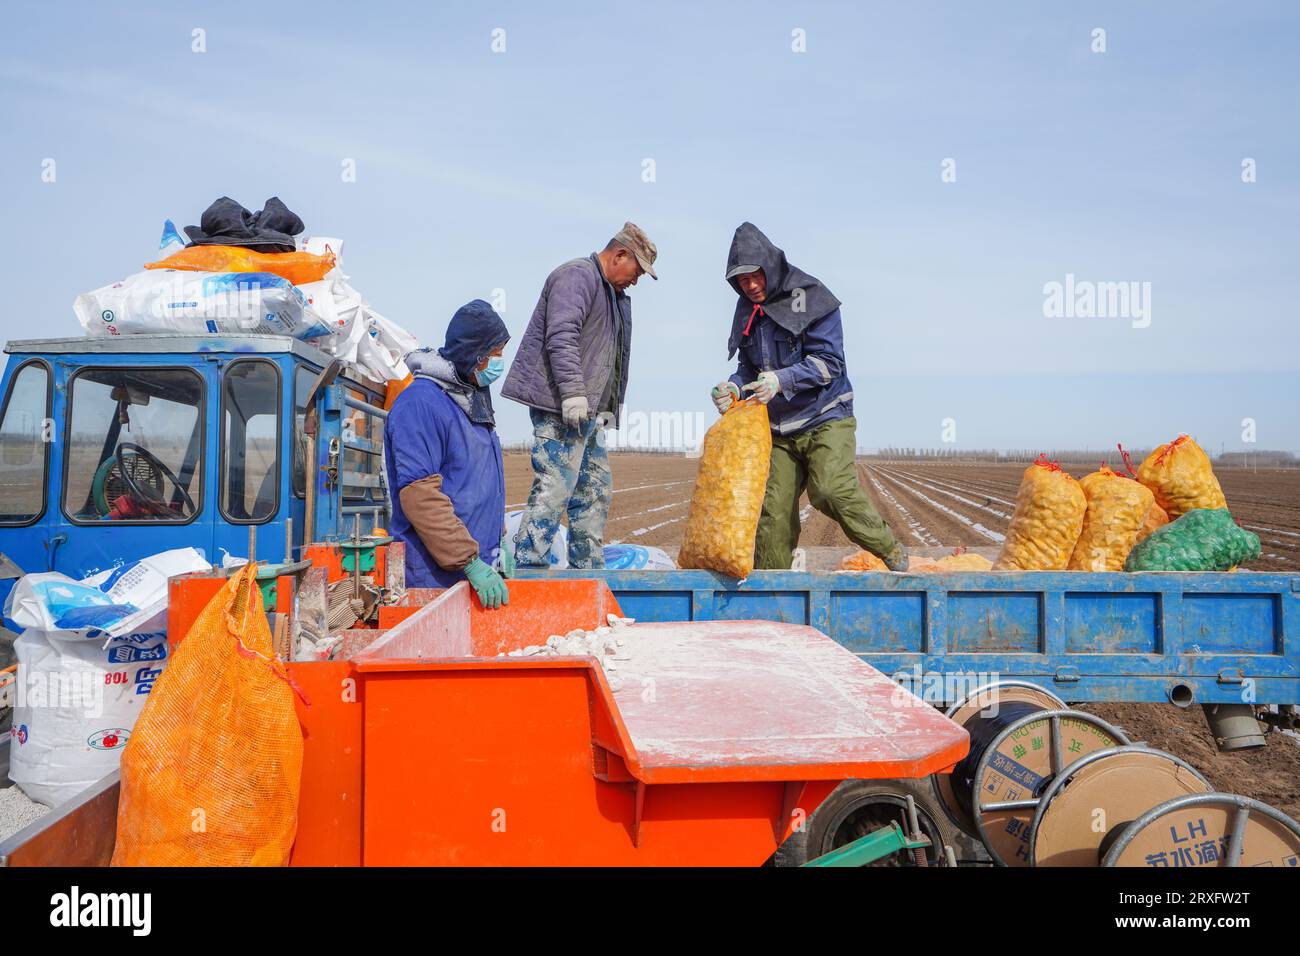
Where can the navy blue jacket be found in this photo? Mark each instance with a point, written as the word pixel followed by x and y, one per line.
pixel 795 333
pixel 815 387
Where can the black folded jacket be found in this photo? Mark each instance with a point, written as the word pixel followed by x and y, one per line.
pixel 227 223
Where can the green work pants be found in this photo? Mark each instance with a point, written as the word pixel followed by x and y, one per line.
pixel 823 462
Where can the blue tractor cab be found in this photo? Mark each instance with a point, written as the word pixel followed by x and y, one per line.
pixel 112 449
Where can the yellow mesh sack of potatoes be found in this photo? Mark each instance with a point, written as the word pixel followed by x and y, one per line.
pixel 1117 512
pixel 1050 507
pixel 959 560
pixel 964 561
pixel 1180 476
pixel 728 497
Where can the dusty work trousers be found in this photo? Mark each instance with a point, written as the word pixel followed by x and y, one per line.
pixel 823 462
pixel 570 476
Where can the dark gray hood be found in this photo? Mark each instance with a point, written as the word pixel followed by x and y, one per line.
pixel 749 247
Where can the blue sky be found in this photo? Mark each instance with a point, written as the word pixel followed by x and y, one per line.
pixel 479 170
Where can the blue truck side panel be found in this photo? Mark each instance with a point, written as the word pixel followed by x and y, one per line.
pixel 1226 638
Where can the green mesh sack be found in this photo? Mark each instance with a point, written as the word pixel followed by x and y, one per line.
pixel 1203 539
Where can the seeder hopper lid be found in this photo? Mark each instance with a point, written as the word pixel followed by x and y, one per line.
pixel 728 700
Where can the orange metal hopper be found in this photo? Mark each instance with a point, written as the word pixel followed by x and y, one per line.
pixel 722 736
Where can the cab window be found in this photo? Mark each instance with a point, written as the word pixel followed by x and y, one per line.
pixel 361 465
pixel 134 445
pixel 250 441
pixel 24 445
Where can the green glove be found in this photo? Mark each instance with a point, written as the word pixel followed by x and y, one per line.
pixel 723 395
pixel 507 556
pixel 487 584
pixel 765 388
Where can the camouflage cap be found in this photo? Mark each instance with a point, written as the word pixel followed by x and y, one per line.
pixel 638 243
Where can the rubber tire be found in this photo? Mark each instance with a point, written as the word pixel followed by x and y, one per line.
pixel 813 840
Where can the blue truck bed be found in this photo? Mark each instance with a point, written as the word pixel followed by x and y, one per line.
pixel 1191 638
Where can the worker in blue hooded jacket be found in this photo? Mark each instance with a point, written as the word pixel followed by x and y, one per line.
pixel 443 457
pixel 786 329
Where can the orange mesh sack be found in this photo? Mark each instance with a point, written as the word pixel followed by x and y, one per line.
pixel 297 267
pixel 959 560
pixel 1156 518
pixel 864 561
pixel 1050 507
pixel 1180 476
pixel 1117 512
pixel 211 774
pixel 919 565
pixel 728 498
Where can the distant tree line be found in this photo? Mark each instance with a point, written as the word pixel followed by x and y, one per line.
pixel 1073 456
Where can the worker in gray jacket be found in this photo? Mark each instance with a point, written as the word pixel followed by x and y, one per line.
pixel 571 371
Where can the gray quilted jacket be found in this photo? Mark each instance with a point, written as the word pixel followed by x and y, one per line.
pixel 569 346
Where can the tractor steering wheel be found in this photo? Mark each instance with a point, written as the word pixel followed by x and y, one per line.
pixel 145 493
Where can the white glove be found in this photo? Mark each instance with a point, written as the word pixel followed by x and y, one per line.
pixel 575 411
pixel 723 394
pixel 764 387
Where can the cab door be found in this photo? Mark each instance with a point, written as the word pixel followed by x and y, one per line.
pixel 26 444
pixel 251 461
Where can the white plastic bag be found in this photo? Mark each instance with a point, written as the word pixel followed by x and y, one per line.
pixel 77 702
pixel 358 334
pixel 336 303
pixel 199 303
pixel 559 556
pixel 110 603
pixel 382 351
pixel 88 656
pixel 340 307
pixel 618 557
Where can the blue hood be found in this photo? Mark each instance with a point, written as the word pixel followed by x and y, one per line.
pixel 474 333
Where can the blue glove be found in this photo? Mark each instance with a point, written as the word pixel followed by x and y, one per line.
pixel 487 584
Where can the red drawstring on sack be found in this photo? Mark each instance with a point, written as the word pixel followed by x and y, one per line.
pixel 1170 447
pixel 757 310
pixel 1128 460
pixel 249 581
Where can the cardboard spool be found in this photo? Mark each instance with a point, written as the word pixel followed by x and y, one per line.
pixel 1101 792
pixel 1016 755
pixel 1207 830
pixel 963 710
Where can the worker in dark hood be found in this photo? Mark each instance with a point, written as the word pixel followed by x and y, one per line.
pixel 787 330
pixel 443 458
